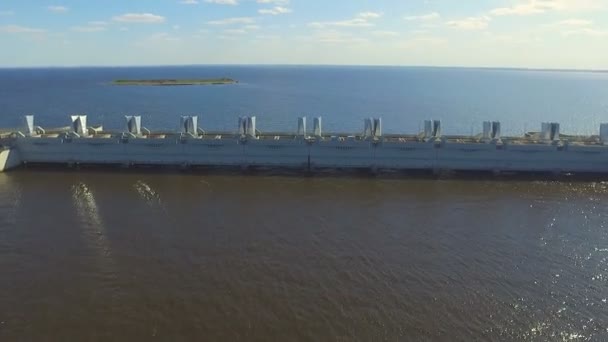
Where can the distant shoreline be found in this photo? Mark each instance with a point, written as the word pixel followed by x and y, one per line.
pixel 175 82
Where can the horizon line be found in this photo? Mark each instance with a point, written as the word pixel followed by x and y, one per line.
pixel 506 68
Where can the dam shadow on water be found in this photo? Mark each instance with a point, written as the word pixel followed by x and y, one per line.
pixel 325 172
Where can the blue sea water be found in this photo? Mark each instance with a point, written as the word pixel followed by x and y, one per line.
pixel 402 96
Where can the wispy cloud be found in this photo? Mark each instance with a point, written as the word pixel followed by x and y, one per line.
pixel 242 30
pixel 189 2
pixel 423 17
pixel 470 23
pixel 275 10
pixel 20 29
pixel 235 31
pixel 574 23
pixel 91 26
pixel 88 28
pixel 160 38
pixel 529 8
pixel 385 33
pixel 6 13
pixel 223 2
pixel 335 37
pixel 363 19
pixel 139 18
pixel 369 15
pixel 532 7
pixel 232 21
pixel 98 23
pixel 58 9
pixel 424 43
pixel 586 31
pixel 267 37
pixel 276 2
pixel 577 27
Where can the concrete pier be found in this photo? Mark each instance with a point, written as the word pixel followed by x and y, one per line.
pixel 9 159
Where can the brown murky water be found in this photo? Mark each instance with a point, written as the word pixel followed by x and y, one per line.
pixel 99 256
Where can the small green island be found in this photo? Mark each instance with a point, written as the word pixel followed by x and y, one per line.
pixel 175 82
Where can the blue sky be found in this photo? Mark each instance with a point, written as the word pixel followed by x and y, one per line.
pixel 485 33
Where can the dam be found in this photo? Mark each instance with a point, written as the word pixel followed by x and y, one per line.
pixel 78 144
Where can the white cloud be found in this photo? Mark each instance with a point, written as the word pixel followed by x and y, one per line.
pixel 232 21
pixel 531 7
pixel 356 22
pixel 158 39
pixel 235 31
pixel 275 10
pixel 419 31
pixel 423 17
pixel 423 42
pixel 139 18
pixel 586 31
pixel 243 30
pixel 574 22
pixel 577 27
pixel 227 37
pixel 89 28
pixel 223 2
pixel 470 23
pixel 58 9
pixel 385 33
pixel 97 23
pixel 369 15
pixel 568 24
pixel 6 13
pixel 162 37
pixel 276 2
pixel 189 2
pixel 20 29
pixel 361 20
pixel 267 37
pixel 335 37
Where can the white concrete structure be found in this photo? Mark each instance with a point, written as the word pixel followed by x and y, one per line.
pixel 9 159
pixel 133 124
pixel 432 129
pixel 79 125
pixel 302 127
pixel 189 125
pixel 317 132
pixel 543 152
pixel 29 123
pixel 250 129
pixel 377 128
pixel 491 131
